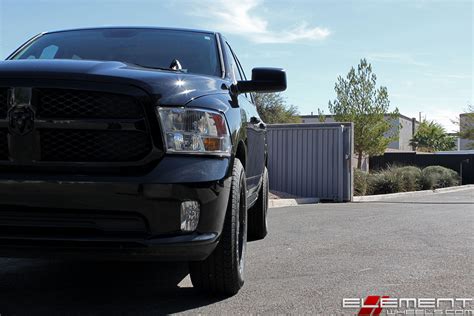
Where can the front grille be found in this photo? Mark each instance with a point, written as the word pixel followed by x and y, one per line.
pixel 4 144
pixel 60 103
pixel 93 146
pixel 75 128
pixel 3 102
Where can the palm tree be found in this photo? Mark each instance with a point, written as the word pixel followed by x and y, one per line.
pixel 431 136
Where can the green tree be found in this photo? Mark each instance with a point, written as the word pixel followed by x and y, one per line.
pixel 358 100
pixel 431 136
pixel 273 108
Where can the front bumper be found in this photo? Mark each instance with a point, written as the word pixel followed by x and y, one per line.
pixel 115 217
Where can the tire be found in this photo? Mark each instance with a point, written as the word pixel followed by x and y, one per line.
pixel 222 272
pixel 258 227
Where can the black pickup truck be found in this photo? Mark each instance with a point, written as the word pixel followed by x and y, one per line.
pixel 134 143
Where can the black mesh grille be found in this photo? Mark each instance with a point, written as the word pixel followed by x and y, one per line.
pixel 3 102
pixel 3 145
pixel 59 103
pixel 93 146
pixel 78 126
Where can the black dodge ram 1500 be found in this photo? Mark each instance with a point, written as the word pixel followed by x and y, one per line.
pixel 134 143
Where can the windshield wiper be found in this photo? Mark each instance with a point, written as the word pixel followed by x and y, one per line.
pixel 175 66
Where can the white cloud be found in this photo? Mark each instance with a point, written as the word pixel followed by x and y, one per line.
pixel 398 58
pixel 242 18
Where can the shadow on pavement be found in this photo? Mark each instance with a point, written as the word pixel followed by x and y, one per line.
pixel 37 287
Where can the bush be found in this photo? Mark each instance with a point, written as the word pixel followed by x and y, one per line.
pixel 360 182
pixel 403 179
pixel 410 177
pixel 385 181
pixel 435 177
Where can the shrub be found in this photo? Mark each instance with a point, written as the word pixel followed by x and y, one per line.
pixel 385 181
pixel 428 182
pixel 434 177
pixel 403 179
pixel 410 177
pixel 360 182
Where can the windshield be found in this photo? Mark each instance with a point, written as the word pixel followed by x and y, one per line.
pixel 155 48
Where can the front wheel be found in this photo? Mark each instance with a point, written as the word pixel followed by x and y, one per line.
pixel 223 271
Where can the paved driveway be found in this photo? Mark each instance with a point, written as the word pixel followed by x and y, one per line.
pixel 313 258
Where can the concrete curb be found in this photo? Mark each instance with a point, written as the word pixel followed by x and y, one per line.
pixel 291 202
pixel 383 197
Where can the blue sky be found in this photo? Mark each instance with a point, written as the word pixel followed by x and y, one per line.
pixel 421 50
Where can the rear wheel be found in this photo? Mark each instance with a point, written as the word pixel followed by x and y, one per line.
pixel 223 271
pixel 258 227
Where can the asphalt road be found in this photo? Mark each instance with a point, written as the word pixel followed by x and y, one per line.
pixel 313 258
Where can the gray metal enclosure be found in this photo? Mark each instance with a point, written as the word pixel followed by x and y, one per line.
pixel 311 160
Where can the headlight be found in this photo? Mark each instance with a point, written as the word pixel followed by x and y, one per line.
pixel 194 131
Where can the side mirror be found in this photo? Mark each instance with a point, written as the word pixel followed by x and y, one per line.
pixel 264 80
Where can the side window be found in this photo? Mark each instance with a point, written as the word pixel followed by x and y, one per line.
pixel 235 67
pixel 242 73
pixel 250 96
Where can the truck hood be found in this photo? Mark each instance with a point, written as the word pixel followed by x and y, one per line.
pixel 167 87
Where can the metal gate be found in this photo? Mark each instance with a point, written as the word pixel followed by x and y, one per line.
pixel 311 160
